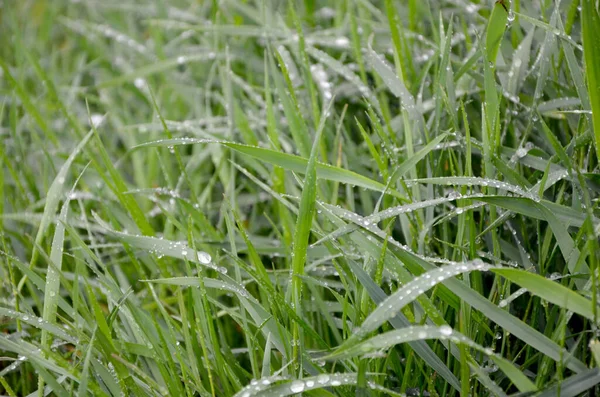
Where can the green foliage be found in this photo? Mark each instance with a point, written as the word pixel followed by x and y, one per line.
pixel 268 198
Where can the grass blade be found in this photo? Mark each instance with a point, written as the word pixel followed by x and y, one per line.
pixel 590 19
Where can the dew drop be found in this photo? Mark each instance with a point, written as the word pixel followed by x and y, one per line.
pixel 323 379
pixel 445 330
pixel 204 257
pixel 511 16
pixel 297 386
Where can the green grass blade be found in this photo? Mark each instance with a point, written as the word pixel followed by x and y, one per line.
pixel 303 227
pixel 574 385
pixel 54 195
pixel 590 19
pixel 408 293
pixel 495 30
pixel 289 162
pixel 549 290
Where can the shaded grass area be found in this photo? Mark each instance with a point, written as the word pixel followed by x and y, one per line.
pixel 272 198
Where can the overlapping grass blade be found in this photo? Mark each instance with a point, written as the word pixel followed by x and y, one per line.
pixel 590 18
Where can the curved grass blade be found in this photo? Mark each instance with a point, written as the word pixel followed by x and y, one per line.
pixel 485 379
pixel 574 385
pixel 566 215
pixel 54 195
pixel 420 333
pixel 173 249
pixel 287 161
pixel 515 374
pixel 549 290
pixel 396 86
pixel 389 213
pixel 264 388
pixel 37 322
pixel 410 162
pixel 409 334
pixel 518 328
pixel 421 348
pixel 208 283
pixel 411 291
pixel 347 73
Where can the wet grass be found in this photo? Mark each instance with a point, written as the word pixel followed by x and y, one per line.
pixel 272 198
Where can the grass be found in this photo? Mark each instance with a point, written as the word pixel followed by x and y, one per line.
pixel 273 198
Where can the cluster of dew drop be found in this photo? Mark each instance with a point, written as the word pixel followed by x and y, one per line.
pixel 290 65
pixel 376 217
pixel 16 364
pixel 237 289
pixel 372 227
pixel 418 332
pixel 257 386
pixel 322 380
pixel 183 59
pixel 80 195
pixel 39 323
pixel 215 124
pixel 345 71
pixel 492 183
pixel 389 307
pixel 322 80
pixel 121 38
pixel 517 241
pixel 264 385
pixel 336 42
pixel 177 249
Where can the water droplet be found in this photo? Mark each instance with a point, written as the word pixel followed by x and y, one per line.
pixel 96 120
pixel 445 330
pixel 139 83
pixel 297 386
pixel 342 42
pixel 323 379
pixel 204 257
pixel 511 16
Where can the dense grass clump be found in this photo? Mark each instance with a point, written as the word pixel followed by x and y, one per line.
pixel 266 198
